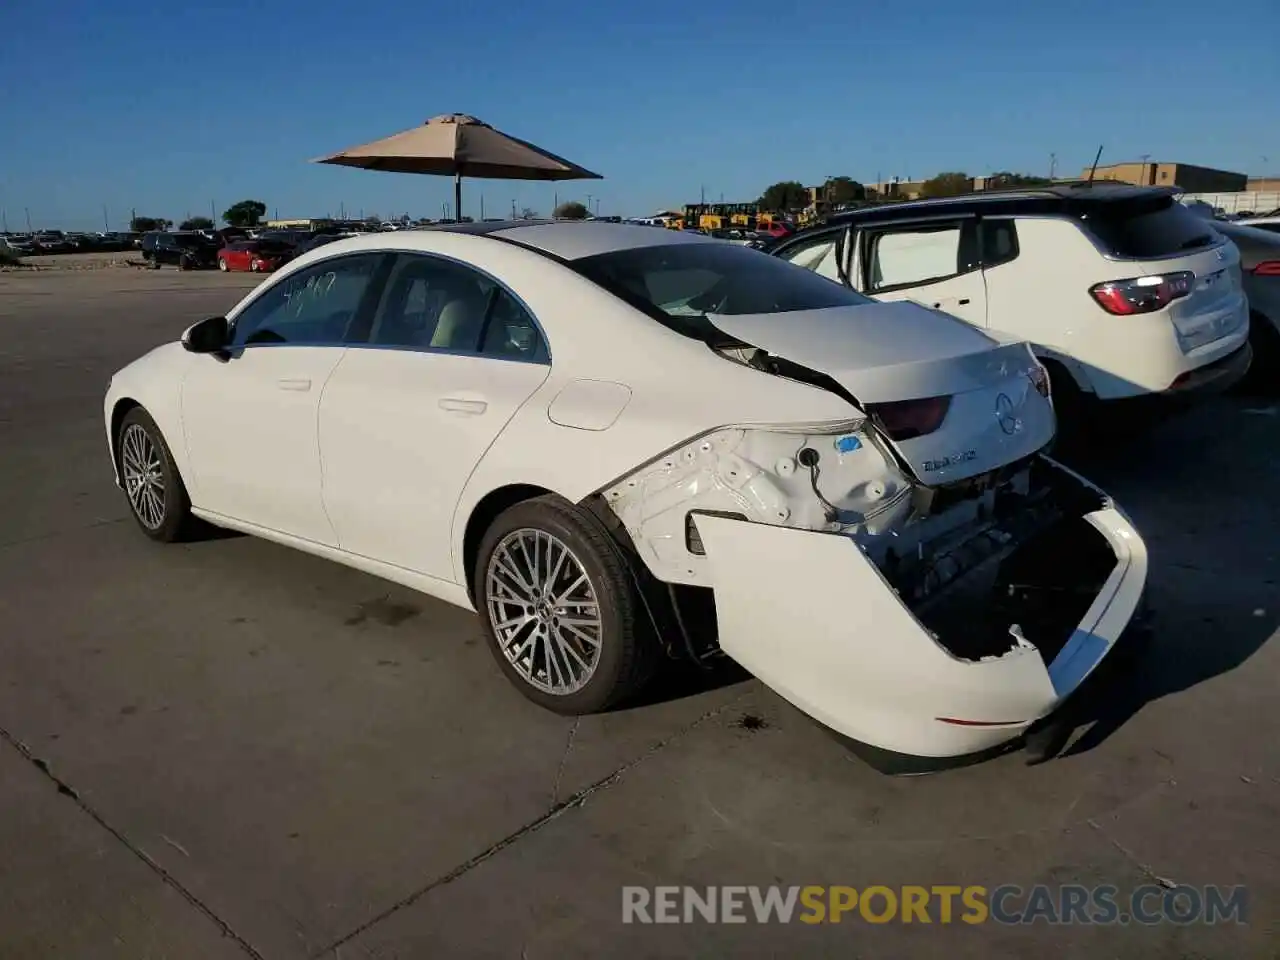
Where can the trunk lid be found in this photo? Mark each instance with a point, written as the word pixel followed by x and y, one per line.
pixel 891 352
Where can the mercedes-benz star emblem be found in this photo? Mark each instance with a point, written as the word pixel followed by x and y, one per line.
pixel 1009 423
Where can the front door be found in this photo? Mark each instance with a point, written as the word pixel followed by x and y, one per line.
pixel 250 416
pixel 936 264
pixel 406 418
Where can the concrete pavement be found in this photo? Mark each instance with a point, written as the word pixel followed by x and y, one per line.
pixel 264 754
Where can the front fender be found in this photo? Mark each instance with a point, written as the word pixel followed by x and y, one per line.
pixel 153 382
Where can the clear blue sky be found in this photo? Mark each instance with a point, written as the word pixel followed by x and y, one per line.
pixel 166 106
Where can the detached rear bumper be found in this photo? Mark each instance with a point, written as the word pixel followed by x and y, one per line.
pixel 813 618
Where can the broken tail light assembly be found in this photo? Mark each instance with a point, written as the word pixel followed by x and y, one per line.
pixel 1124 298
pixel 831 477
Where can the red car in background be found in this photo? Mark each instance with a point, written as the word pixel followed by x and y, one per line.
pixel 256 256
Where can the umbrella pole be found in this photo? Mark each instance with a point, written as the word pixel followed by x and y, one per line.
pixel 457 197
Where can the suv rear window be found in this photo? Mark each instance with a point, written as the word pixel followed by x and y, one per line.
pixel 1148 228
pixel 680 283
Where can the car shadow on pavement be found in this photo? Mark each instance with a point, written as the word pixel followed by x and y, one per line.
pixel 201 531
pixel 1173 659
pixel 678 680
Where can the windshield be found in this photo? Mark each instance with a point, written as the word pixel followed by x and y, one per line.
pixel 681 283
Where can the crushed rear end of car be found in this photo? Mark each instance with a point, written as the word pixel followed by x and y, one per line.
pixel 922 580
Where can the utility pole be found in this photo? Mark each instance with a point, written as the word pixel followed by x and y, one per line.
pixel 513 209
pixel 27 211
pixel 1145 178
pixel 1053 166
pixel 106 224
pixel 588 203
pixel 482 207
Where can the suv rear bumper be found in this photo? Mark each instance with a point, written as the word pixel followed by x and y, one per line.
pixel 1213 378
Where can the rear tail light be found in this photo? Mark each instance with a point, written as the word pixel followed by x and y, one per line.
pixel 907 419
pixel 1142 294
pixel 1267 268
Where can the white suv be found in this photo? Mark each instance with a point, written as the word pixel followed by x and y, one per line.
pixel 1122 291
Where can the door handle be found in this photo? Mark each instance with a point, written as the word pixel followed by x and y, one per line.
pixel 461 405
pixel 288 384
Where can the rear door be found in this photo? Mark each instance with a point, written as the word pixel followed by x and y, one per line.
pixel 936 263
pixel 407 415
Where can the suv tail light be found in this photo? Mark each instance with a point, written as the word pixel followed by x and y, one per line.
pixel 1142 294
pixel 1267 268
pixel 908 419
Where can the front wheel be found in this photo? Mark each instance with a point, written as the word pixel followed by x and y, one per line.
pixel 157 496
pixel 222 264
pixel 560 608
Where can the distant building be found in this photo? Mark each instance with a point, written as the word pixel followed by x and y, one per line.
pixel 1187 176
pixel 1263 184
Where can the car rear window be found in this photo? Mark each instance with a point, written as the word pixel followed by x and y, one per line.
pixel 1148 228
pixel 681 283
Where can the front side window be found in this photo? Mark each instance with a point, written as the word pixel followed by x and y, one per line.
pixel 681 284
pixel 312 306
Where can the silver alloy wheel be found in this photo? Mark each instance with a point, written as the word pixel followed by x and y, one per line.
pixel 222 264
pixel 543 610
pixel 143 475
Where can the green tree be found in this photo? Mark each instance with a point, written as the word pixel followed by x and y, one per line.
pixel 571 210
pixel 148 224
pixel 246 213
pixel 947 185
pixel 843 190
pixel 528 213
pixel 1005 179
pixel 784 195
pixel 196 223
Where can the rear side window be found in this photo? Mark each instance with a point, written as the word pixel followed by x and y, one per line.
pixel 1147 229
pixel 999 242
pixel 920 254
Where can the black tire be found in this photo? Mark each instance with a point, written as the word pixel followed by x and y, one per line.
pixel 1071 408
pixel 625 655
pixel 1264 372
pixel 174 516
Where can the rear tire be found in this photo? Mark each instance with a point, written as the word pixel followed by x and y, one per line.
pixel 1264 372
pixel 1071 407
pixel 560 609
pixel 157 496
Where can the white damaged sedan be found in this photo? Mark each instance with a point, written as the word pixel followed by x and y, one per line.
pixel 616 443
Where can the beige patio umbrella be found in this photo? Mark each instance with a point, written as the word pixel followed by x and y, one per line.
pixel 463 146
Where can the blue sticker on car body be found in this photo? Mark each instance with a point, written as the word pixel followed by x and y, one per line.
pixel 848 444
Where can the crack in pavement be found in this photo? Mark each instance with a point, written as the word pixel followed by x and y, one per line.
pixel 1128 854
pixel 577 800
pixel 68 791
pixel 23 541
pixel 564 758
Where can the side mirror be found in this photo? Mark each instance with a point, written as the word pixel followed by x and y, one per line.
pixel 207 336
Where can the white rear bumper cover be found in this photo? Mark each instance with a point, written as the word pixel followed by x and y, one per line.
pixel 813 618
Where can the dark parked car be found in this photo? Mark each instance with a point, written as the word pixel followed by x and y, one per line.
pixel 189 251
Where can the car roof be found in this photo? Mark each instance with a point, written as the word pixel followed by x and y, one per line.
pixel 1071 199
pixel 573 239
